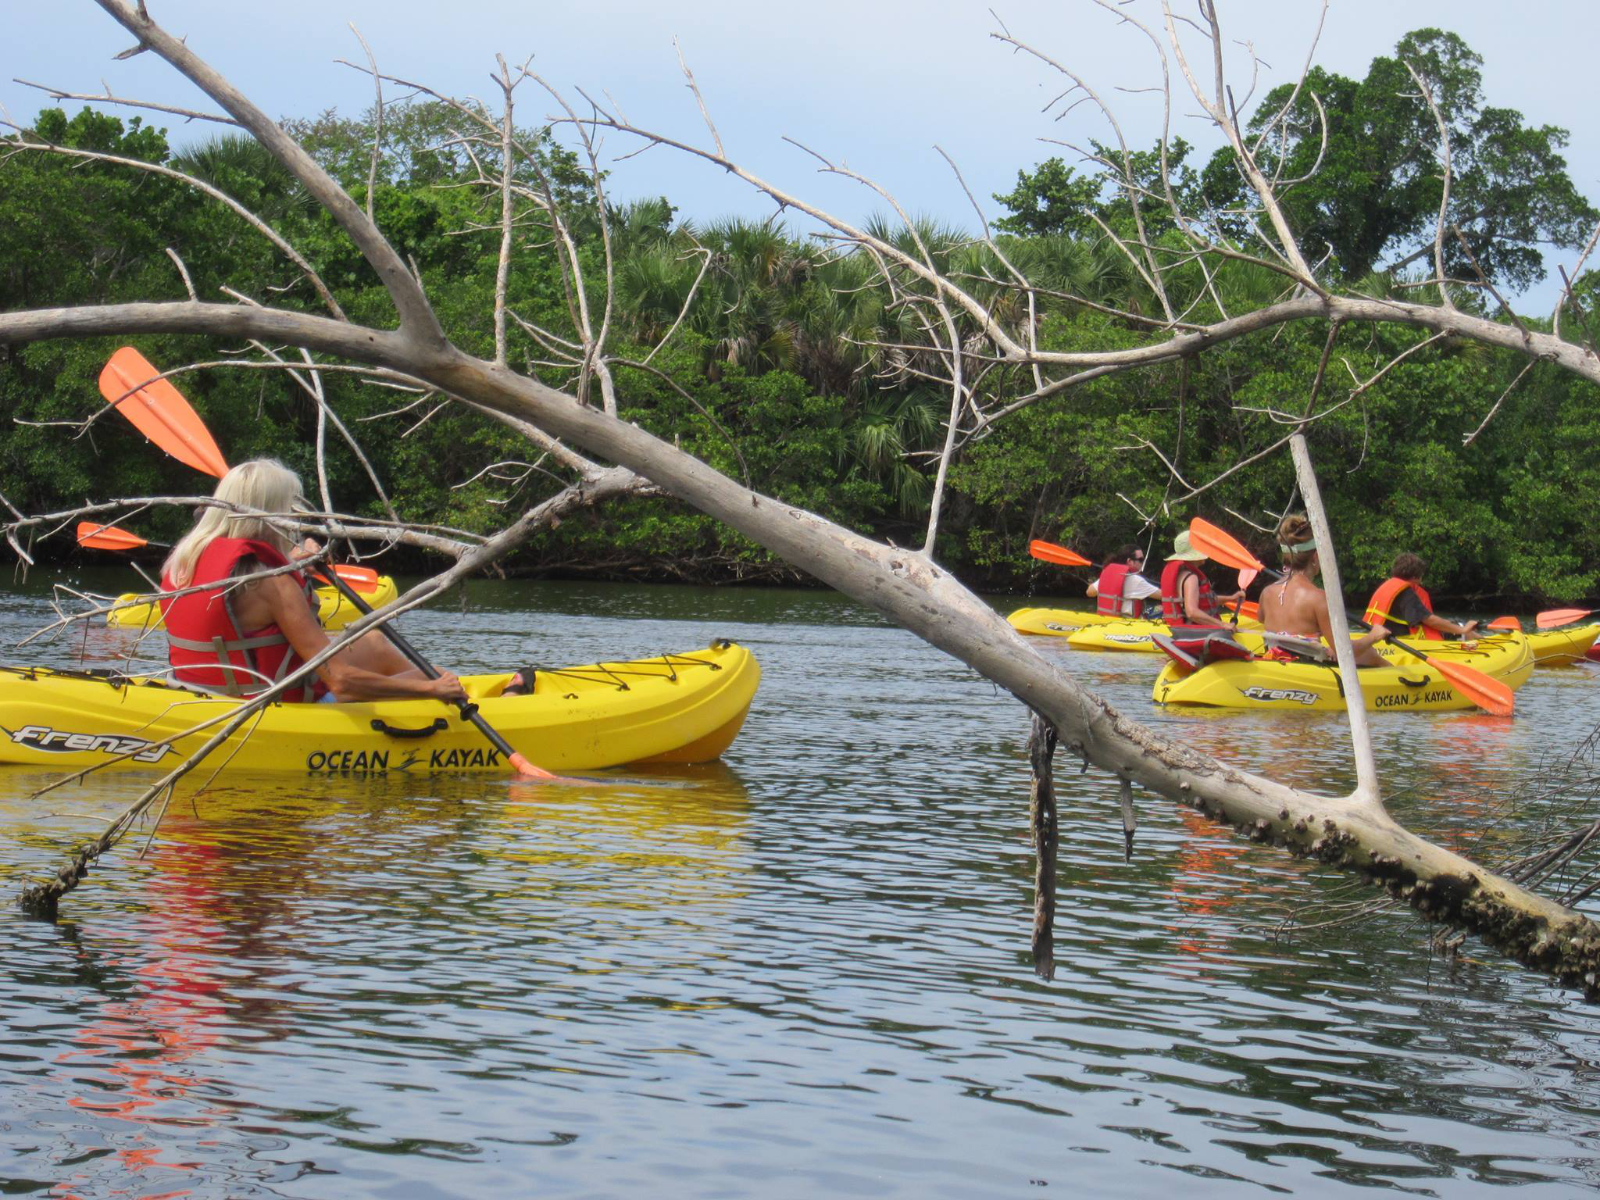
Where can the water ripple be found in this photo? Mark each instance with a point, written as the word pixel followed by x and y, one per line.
pixel 802 971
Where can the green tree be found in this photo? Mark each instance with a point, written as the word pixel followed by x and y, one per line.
pixel 1376 191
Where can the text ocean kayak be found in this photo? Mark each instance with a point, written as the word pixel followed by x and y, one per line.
pixel 675 708
pixel 333 610
pixel 1410 685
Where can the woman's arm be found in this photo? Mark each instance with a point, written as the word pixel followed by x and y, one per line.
pixel 1191 603
pixel 289 612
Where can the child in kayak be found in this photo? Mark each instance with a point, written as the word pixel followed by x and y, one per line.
pixel 1401 600
pixel 235 638
pixel 1297 605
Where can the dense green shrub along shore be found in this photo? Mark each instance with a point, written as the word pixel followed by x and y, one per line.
pixel 788 369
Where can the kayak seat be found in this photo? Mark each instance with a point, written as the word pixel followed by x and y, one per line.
pixel 521 683
pixel 1292 645
pixel 1193 646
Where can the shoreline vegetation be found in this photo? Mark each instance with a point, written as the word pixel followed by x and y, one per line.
pixel 785 368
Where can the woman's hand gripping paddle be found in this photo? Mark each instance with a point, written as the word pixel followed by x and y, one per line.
pixel 169 421
pixel 1486 692
pixel 469 711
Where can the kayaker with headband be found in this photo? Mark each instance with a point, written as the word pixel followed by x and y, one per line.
pixel 1121 590
pixel 1187 597
pixel 1401 601
pixel 237 637
pixel 1296 605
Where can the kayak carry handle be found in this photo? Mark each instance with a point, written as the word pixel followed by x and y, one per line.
pixel 438 726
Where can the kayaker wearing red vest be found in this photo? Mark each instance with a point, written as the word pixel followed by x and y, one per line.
pixel 1297 605
pixel 1401 600
pixel 1186 594
pixel 237 638
pixel 1121 590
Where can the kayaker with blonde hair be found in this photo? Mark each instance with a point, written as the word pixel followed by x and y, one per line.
pixel 1297 605
pixel 242 634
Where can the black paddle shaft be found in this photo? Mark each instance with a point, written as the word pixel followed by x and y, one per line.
pixel 469 710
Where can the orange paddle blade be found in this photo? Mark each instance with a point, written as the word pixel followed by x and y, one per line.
pixel 1221 546
pixel 1487 693
pixel 108 537
pixel 1247 608
pixel 363 579
pixel 1510 623
pixel 1050 552
pixel 159 411
pixel 1561 616
pixel 1246 576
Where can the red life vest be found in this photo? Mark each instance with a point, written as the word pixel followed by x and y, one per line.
pixel 205 645
pixel 1380 609
pixel 1172 611
pixel 1108 592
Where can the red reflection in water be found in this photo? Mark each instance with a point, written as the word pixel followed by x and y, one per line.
pixel 1198 890
pixel 139 1050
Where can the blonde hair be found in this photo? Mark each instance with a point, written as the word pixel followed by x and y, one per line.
pixel 263 484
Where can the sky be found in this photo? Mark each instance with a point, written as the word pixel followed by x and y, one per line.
pixel 880 86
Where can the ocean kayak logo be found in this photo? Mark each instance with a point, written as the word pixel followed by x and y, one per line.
pixel 1411 699
pixel 1293 695
pixel 60 741
pixel 1127 639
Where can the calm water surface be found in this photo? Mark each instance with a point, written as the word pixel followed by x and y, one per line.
pixel 800 972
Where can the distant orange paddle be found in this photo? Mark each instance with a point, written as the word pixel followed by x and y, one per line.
pixel 1052 553
pixel 1556 617
pixel 110 537
pixel 1486 692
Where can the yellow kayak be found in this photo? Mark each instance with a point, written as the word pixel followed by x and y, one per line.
pixel 333 610
pixel 676 708
pixel 1409 685
pixel 1057 622
pixel 1135 636
pixel 1563 647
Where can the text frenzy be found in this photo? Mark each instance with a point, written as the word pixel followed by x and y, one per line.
pixel 1293 695
pixel 60 741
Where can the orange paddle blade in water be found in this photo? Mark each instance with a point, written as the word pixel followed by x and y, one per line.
pixel 108 537
pixel 1050 552
pixel 159 411
pixel 1487 693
